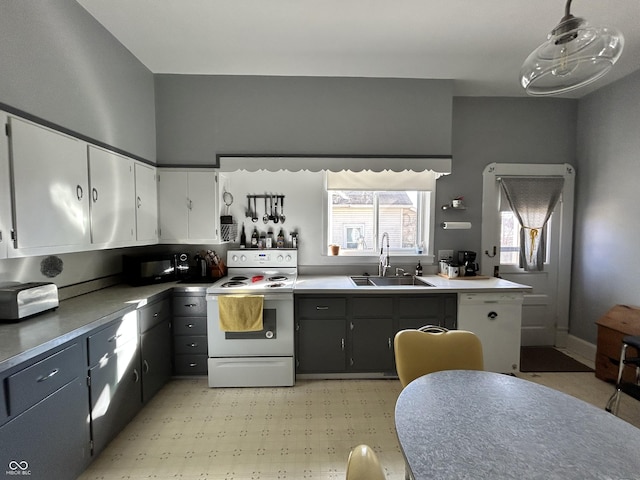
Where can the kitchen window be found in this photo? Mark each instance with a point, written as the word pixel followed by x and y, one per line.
pixel 358 215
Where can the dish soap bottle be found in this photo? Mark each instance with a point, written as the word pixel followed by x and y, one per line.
pixel 418 270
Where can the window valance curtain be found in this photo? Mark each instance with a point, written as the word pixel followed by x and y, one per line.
pixel 382 181
pixel 532 200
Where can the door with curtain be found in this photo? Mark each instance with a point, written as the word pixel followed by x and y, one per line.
pixel 545 313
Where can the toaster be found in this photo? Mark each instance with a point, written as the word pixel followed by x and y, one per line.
pixel 21 300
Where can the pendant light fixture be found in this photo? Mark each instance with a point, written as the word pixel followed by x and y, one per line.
pixel 575 54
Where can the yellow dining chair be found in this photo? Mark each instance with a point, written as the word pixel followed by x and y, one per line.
pixel 363 464
pixel 432 349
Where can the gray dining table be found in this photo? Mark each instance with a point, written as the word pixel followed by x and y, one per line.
pixel 461 424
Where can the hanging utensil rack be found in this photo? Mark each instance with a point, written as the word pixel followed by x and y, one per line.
pixel 253 205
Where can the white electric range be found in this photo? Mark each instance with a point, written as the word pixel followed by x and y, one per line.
pixel 255 359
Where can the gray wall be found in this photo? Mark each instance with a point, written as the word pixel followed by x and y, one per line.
pixel 58 63
pixel 199 116
pixel 606 268
pixel 502 130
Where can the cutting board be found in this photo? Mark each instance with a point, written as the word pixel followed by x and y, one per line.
pixel 476 277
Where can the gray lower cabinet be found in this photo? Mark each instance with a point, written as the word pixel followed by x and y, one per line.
pixel 189 333
pixel 372 330
pixel 321 334
pixel 155 344
pixel 47 407
pixel 321 345
pixel 114 379
pixel 354 333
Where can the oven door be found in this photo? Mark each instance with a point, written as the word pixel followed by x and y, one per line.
pixel 275 339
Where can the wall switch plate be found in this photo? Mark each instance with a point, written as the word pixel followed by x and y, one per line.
pixel 445 254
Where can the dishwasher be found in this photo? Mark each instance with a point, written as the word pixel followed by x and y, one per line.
pixel 496 319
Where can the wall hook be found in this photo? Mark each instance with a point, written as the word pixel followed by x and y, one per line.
pixel 486 252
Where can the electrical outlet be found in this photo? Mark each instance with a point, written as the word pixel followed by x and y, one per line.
pixel 445 254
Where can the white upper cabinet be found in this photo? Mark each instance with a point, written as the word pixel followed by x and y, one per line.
pixel 112 197
pixel 146 201
pixel 187 203
pixel 50 190
pixel 5 198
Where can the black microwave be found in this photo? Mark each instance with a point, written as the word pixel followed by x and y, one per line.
pixel 154 268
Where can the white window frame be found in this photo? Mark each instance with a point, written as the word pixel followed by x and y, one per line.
pixel 426 204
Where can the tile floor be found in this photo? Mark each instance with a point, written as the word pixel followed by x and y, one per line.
pixel 189 431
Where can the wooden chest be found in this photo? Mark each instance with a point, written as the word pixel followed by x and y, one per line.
pixel 618 322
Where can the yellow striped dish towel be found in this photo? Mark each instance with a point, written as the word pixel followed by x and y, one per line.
pixel 240 313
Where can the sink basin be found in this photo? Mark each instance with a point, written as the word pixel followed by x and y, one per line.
pixel 405 281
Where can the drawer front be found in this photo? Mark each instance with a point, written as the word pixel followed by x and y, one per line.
pixel 150 315
pixel 412 307
pixel 372 307
pixel 27 387
pixel 190 306
pixel 108 340
pixel 329 307
pixel 190 326
pixel 190 364
pixel 190 344
pixel 609 342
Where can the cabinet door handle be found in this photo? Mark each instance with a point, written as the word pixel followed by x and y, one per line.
pixel 115 337
pixel 351 362
pixel 190 325
pixel 192 344
pixel 351 325
pixel 389 343
pixel 145 367
pixel 322 307
pixel 48 375
pixel 136 375
pixel 94 194
pixel 190 305
pixel 193 364
pixel 492 315
pixel 139 202
pixel 342 344
pixel 79 192
pixel 190 204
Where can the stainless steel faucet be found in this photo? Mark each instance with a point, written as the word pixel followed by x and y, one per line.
pixel 384 265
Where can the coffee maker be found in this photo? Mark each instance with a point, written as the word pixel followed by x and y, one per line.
pixel 467 262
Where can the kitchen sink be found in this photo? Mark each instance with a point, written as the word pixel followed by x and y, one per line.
pixel 389 281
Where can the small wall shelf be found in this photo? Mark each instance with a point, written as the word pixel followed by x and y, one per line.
pixel 451 207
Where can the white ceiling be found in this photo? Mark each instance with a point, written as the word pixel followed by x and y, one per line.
pixel 480 44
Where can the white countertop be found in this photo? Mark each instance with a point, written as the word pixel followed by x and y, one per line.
pixel 344 284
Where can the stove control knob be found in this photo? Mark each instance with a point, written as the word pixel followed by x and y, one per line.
pixel 269 334
pixel 243 258
pixel 234 258
pixel 279 258
pixel 288 258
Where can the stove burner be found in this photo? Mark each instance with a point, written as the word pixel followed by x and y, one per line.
pixel 277 278
pixel 232 284
pixel 275 285
pixel 239 278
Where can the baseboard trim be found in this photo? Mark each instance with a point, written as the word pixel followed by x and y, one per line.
pixel 582 348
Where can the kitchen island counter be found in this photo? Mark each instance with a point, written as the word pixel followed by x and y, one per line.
pixel 343 284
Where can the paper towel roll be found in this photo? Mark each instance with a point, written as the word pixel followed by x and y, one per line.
pixel 456 225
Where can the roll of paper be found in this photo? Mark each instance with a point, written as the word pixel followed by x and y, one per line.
pixel 456 225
